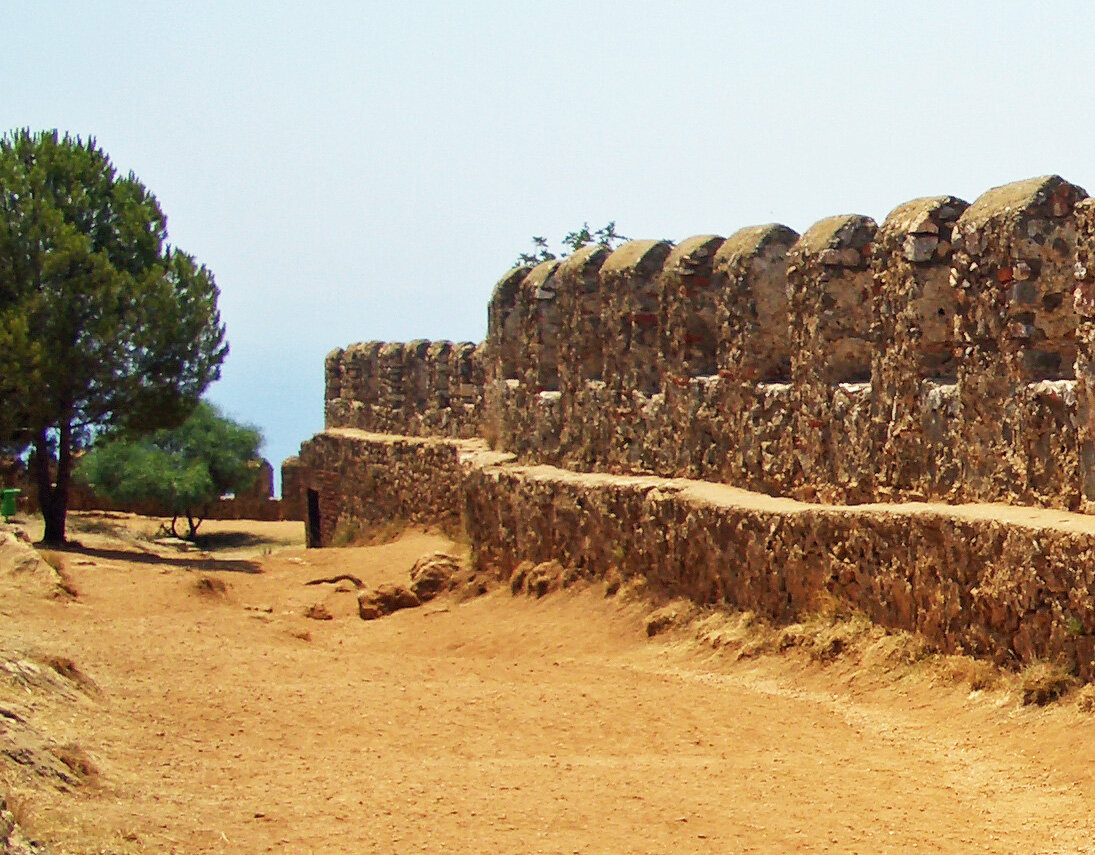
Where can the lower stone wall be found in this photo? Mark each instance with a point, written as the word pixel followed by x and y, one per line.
pixel 1010 584
pixel 350 476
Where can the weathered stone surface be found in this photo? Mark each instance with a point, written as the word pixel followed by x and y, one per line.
pixel 377 478
pixel 630 280
pixel 1012 336
pixel 581 345
pixel 504 344
pixel 830 307
pixel 581 305
pixel 385 600
pixel 750 277
pixel 422 388
pixel 434 574
pixel 538 312
pixel 914 307
pixel 1084 305
pixel 689 309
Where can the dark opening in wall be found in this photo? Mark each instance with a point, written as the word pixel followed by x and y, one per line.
pixel 313 530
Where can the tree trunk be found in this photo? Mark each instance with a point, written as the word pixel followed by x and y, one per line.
pixel 53 495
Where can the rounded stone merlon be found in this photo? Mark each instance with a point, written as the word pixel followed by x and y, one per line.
pixel 686 256
pixel 439 349
pixel 417 348
pixel 931 215
pixel 504 295
pixel 540 279
pixel 464 353
pixel 920 230
pixel 753 241
pixel 837 241
pixel 587 259
pixel 1045 196
pixel 362 349
pixel 332 374
pixel 504 298
pixel 391 350
pixel 644 257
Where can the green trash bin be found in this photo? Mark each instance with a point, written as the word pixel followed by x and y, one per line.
pixel 8 506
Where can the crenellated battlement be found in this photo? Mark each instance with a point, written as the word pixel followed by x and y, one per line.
pixel 944 353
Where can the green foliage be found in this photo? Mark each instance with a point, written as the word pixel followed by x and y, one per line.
pixel 183 469
pixel 102 322
pixel 605 236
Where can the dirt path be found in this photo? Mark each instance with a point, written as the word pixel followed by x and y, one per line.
pixel 231 723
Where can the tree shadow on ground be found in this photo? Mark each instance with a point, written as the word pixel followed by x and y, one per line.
pixel 230 540
pixel 196 562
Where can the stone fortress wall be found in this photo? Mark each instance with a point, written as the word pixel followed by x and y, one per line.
pixel 944 354
pixel 623 397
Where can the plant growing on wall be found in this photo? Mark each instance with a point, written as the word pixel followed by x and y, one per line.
pixel 606 236
pixel 183 469
pixel 102 322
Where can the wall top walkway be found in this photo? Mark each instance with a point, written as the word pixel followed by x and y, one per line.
pixel 475 453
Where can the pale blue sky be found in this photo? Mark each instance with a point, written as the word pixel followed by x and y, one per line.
pixel 367 170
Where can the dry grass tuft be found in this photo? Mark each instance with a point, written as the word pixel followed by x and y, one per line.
pixel 633 589
pixel 1042 682
pixel 72 672
pixel 211 586
pixel 54 559
pixel 1085 699
pixel 743 635
pixel 16 819
pixel 77 760
pixel 829 635
pixel 670 616
pixel 979 674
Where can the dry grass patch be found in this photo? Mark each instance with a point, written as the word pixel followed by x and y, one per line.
pixel 211 586
pixel 77 761
pixel 73 673
pixel 1085 699
pixel 979 674
pixel 1042 682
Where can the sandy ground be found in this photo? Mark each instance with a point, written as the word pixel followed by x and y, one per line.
pixel 229 722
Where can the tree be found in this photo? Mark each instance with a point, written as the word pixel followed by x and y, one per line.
pixel 605 236
pixel 103 324
pixel 183 469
